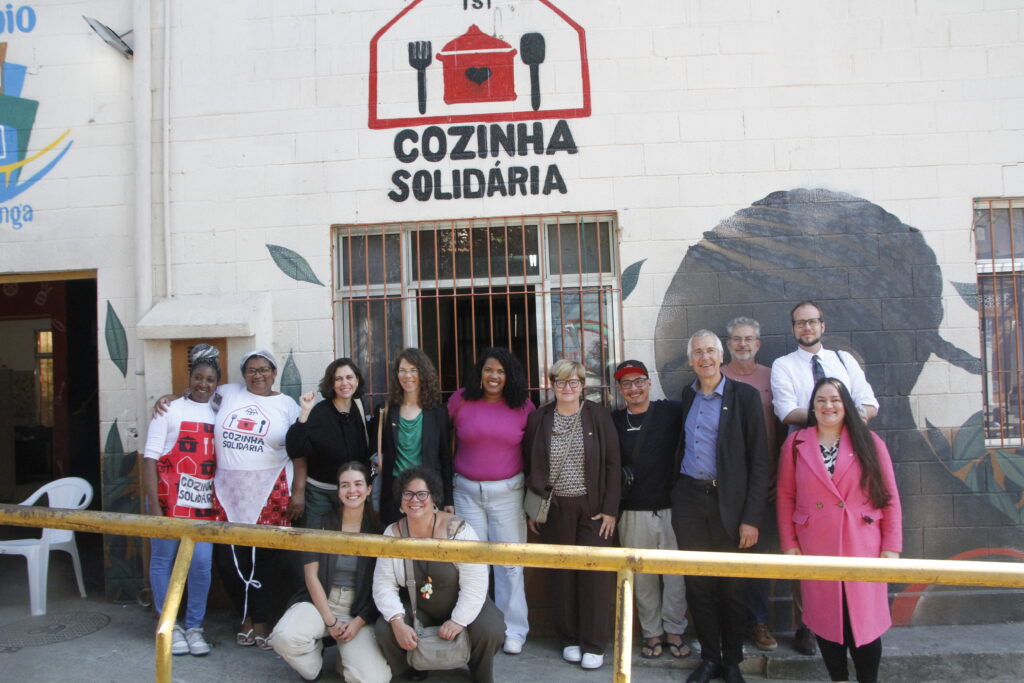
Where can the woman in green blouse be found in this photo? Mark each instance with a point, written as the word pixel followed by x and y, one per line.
pixel 412 429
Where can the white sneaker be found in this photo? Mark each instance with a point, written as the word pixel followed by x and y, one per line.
pixel 592 661
pixel 197 645
pixel 179 646
pixel 571 653
pixel 513 646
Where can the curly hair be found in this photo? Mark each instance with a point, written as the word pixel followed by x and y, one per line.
pixel 871 480
pixel 515 391
pixel 430 477
pixel 430 385
pixel 327 382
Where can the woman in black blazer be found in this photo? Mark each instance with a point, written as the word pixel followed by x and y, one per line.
pixel 328 434
pixel 412 429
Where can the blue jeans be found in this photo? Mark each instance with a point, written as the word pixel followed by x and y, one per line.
pixel 495 511
pixel 161 561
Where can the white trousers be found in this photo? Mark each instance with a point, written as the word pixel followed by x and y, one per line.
pixel 297 639
pixel 495 511
pixel 660 599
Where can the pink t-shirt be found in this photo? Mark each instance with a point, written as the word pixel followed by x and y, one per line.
pixel 488 437
pixel 760 379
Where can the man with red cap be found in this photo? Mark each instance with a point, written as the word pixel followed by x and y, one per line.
pixel 648 438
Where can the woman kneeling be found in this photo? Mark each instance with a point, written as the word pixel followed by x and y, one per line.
pixel 338 601
pixel 451 596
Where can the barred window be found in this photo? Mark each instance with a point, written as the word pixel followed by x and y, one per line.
pixel 999 244
pixel 545 287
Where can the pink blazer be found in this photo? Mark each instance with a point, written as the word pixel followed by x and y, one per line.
pixel 824 515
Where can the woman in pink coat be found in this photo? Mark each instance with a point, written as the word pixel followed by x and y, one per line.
pixel 837 496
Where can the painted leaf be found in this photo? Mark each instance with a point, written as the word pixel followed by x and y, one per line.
pixel 969 442
pixel 113 457
pixel 291 379
pixel 117 340
pixel 982 472
pixel 292 264
pixel 968 292
pixel 939 442
pixel 1012 466
pixel 630 276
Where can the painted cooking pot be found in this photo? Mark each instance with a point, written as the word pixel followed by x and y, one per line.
pixel 478 68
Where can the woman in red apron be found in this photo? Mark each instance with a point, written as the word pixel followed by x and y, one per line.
pixel 177 472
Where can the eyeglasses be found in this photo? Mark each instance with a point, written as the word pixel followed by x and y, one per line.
pixel 262 372
pixel 571 383
pixel 418 495
pixel 810 322
pixel 408 371
pixel 742 340
pixel 639 383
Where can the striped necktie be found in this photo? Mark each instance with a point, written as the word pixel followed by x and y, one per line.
pixel 816 369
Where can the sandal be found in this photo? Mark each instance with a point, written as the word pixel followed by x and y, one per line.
pixel 651 649
pixel 262 643
pixel 245 639
pixel 678 650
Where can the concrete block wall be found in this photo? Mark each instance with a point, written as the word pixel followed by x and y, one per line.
pixel 700 108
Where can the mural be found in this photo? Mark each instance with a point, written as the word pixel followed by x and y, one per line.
pixel 499 69
pixel 122 554
pixel 881 288
pixel 17 117
pixel 479 75
pixel 117 340
pixel 293 264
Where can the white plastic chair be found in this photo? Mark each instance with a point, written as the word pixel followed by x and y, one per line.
pixel 70 492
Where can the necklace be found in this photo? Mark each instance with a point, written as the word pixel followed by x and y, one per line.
pixel 631 428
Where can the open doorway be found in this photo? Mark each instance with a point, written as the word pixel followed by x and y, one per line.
pixel 49 402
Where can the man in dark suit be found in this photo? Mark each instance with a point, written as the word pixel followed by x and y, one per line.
pixel 723 469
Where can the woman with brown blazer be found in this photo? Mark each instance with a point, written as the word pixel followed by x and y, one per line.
pixel 571 448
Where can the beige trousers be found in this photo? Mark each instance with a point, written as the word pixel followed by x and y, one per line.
pixel 297 639
pixel 660 599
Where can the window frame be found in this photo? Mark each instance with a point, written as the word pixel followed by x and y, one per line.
pixel 540 284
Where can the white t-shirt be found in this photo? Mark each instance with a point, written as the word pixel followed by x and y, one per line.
pixel 250 429
pixel 164 429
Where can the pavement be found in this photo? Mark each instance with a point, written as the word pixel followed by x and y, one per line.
pixel 95 640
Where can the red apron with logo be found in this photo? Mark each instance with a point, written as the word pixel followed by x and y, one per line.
pixel 185 474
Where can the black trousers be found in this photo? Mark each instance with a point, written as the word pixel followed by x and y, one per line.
pixel 717 603
pixel 581 599
pixel 259 603
pixel 866 658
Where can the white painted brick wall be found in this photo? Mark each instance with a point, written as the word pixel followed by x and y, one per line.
pixel 700 108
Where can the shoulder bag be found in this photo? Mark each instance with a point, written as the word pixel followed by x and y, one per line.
pixel 535 505
pixel 432 652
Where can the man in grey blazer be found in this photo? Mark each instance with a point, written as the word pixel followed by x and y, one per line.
pixel 723 468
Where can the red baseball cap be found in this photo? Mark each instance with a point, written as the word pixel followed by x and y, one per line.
pixel 628 366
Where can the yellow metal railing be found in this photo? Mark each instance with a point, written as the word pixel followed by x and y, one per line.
pixel 624 561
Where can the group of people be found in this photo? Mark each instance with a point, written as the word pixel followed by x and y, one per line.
pixel 693 474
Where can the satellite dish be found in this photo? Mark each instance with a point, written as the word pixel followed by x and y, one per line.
pixel 110 37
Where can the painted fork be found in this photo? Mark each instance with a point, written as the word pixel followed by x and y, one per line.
pixel 420 58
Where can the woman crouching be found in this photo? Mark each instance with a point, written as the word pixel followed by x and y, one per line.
pixel 337 602
pixel 449 595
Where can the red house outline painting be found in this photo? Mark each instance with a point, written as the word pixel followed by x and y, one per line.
pixel 469 74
